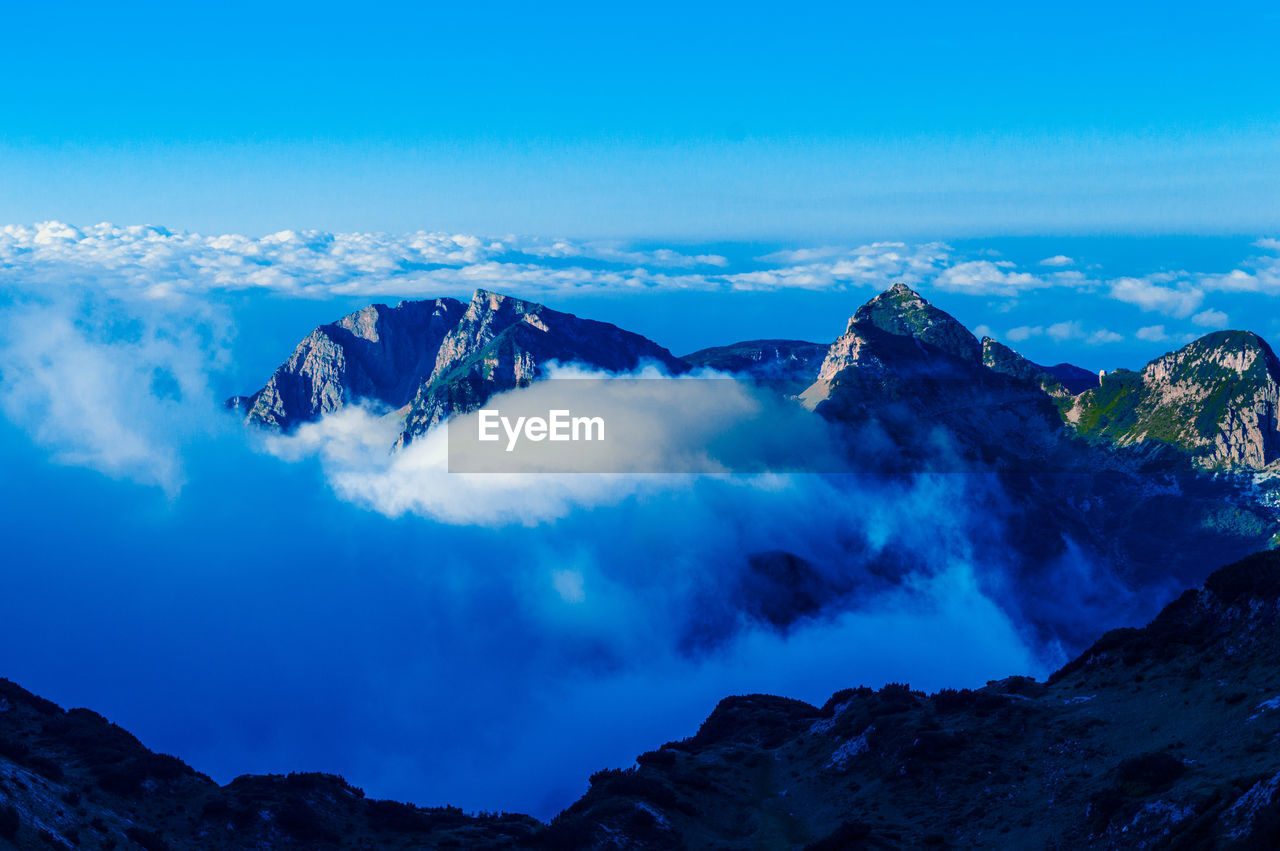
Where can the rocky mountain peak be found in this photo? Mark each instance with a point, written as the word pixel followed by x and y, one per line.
pixel 1217 398
pixel 902 311
pixel 378 354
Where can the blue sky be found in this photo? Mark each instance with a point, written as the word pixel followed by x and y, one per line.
pixel 662 120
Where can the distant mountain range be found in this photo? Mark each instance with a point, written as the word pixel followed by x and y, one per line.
pixel 1215 400
pixel 1155 738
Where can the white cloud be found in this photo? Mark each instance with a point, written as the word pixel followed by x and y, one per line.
pixel 1151 294
pixel 1152 334
pixel 1061 332
pixel 121 392
pixel 1057 260
pixel 984 277
pixel 1210 319
pixel 1064 331
pixel 659 432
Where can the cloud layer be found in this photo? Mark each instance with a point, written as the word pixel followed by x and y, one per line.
pixel 157 261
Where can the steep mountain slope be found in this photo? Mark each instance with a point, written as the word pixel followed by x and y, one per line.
pixel 903 312
pixel 1058 381
pixel 432 358
pixel 501 343
pixel 1161 737
pixel 379 354
pixel 909 367
pixel 1218 399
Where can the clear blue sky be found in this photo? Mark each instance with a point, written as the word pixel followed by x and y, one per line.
pixel 670 120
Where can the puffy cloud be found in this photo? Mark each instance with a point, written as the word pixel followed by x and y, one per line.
pixel 661 430
pixel 117 388
pixel 1064 331
pixel 1210 319
pixel 984 277
pixel 158 262
pixel 1152 294
pixel 1152 334
pixel 1103 336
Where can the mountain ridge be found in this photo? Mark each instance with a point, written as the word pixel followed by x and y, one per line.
pixel 429 359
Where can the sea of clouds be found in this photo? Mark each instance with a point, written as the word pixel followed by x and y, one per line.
pixel 315 602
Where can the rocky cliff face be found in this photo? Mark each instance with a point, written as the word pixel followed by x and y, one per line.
pixel 434 358
pixel 379 354
pixel 1217 399
pixel 501 343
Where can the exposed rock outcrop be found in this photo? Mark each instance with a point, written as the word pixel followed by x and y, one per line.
pixel 1217 399
pixel 502 342
pixel 379 354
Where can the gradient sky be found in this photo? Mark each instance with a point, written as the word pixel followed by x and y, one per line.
pixel 662 120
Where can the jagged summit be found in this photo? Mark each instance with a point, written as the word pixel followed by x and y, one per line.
pixel 379 354
pixel 436 357
pixel 502 342
pixel 902 311
pixel 1217 398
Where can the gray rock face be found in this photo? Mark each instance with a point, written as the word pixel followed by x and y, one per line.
pixel 379 354
pixel 435 358
pixel 1217 399
pixel 894 338
pixel 502 342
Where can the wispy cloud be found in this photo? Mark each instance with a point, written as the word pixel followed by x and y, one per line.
pixel 1210 319
pixel 117 389
pixel 1062 332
